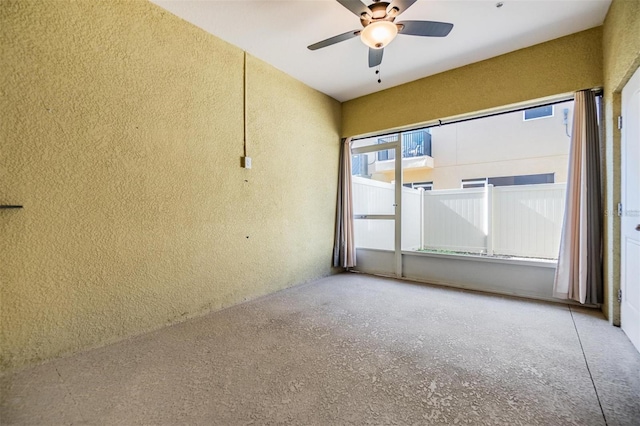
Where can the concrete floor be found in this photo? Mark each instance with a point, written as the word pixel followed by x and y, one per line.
pixel 348 349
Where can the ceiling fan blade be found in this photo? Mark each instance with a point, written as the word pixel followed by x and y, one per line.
pixel 334 40
pixel 401 5
pixel 356 7
pixel 375 57
pixel 425 28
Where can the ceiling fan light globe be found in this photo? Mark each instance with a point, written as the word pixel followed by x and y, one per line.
pixel 378 34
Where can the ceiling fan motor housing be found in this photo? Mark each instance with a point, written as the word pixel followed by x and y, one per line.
pixel 378 13
pixel 379 28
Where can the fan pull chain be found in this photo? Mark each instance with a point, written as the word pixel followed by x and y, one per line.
pixel 379 75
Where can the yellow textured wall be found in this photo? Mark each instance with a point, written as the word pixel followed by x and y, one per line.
pixel 621 49
pixel 121 133
pixel 559 66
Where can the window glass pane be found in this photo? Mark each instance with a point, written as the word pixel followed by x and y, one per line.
pixel 415 143
pixel 360 165
pixel 474 183
pixel 373 184
pixel 374 233
pixel 539 112
pixel 533 179
pixel 427 186
pixel 411 218
pixel 454 220
pixel 526 164
pixel 389 154
pixel 374 140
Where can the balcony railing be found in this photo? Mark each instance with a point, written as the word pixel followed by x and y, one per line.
pixel 416 143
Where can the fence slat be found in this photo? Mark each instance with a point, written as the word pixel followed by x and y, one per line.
pixel 529 220
pixel 525 220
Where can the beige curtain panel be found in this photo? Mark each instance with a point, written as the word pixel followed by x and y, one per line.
pixel 344 248
pixel 579 272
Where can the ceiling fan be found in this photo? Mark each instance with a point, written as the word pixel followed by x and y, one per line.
pixel 379 28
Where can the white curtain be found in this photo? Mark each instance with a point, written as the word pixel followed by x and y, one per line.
pixel 579 271
pixel 344 248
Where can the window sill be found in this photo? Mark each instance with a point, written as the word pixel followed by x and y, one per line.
pixel 542 263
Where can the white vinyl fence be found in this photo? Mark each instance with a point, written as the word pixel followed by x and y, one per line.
pixel 527 219
pixel 455 220
pixel 371 197
pixel 522 220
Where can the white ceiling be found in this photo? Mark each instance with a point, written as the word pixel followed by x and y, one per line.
pixel 279 31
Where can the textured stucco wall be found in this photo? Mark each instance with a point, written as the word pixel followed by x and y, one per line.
pixel 621 49
pixel 559 66
pixel 121 133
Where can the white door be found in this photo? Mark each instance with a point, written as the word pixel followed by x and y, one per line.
pixel 630 223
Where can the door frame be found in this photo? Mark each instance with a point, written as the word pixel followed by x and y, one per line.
pixel 397 216
pixel 627 216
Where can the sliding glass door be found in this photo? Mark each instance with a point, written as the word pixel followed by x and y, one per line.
pixel 430 203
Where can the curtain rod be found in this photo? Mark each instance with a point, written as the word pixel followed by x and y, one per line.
pixel 441 123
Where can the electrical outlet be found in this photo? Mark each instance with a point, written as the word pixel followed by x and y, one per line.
pixel 246 162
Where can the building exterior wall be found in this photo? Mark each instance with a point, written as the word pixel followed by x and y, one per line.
pixel 502 145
